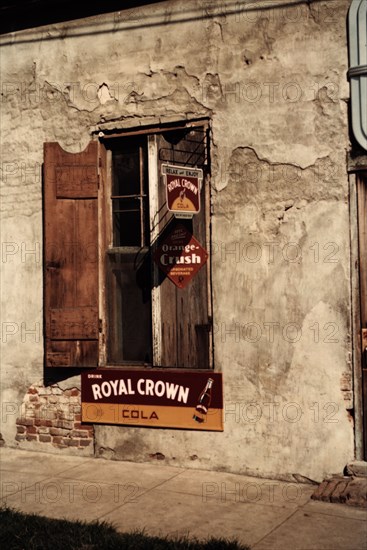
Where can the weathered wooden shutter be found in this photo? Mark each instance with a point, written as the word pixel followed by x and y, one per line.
pixel 186 313
pixel 71 256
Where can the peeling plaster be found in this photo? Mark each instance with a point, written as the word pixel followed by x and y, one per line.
pixel 255 175
pixel 104 94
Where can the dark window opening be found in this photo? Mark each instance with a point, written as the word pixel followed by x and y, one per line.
pixel 129 303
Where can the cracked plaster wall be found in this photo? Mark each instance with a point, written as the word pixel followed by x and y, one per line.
pixel 272 79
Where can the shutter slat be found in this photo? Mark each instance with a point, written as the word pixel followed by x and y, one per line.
pixel 86 260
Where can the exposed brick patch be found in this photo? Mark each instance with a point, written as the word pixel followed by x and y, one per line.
pixel 50 415
pixel 345 490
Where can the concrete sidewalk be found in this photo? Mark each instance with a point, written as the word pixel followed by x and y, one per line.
pixel 264 514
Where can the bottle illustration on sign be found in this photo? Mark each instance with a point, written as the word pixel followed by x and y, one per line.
pixel 203 403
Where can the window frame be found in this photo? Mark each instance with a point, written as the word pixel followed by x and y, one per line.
pixel 106 239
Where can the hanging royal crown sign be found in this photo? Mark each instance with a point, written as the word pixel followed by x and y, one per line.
pixel 182 190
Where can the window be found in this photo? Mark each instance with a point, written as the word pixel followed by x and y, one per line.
pixel 128 282
pixel 107 302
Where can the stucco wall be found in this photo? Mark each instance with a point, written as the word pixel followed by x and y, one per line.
pixel 272 79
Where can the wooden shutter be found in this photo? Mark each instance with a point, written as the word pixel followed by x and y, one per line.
pixel 186 313
pixel 71 256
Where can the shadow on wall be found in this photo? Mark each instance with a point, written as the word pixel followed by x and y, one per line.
pixel 18 15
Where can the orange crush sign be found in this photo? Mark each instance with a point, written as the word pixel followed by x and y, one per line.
pixel 180 256
pixel 165 398
pixel 182 189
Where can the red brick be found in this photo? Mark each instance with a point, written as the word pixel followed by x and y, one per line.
pixel 50 415
pixel 337 489
pixel 58 440
pixel 31 437
pixel 44 438
pixel 320 489
pixel 80 433
pixel 43 422
pixel 83 426
pixel 72 442
pixel 78 417
pixel 19 437
pixel 62 432
pixel 31 429
pixel 21 429
pixel 25 421
pixel 65 417
pixel 337 494
pixel 66 424
pixel 43 430
pixel 332 485
pixel 85 442
pixel 32 391
pixel 75 391
pixel 33 398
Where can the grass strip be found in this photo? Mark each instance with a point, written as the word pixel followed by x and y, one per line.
pixel 20 531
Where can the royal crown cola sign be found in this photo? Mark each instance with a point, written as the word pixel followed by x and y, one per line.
pixel 182 189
